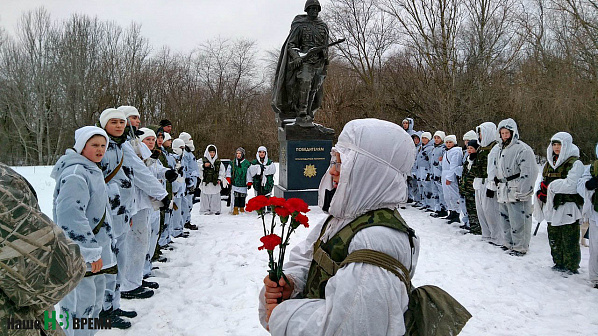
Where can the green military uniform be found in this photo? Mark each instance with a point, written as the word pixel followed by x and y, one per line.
pixel 257 179
pixel 39 265
pixel 468 192
pixel 211 174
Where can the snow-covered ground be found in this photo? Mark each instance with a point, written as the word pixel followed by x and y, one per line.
pixel 210 284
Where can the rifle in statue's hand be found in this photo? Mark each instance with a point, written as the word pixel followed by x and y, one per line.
pixel 315 50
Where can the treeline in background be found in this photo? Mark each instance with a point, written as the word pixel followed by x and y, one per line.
pixel 449 64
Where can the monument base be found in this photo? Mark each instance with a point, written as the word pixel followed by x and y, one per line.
pixel 310 196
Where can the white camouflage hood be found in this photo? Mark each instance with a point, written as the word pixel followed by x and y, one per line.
pixel 511 125
pixel 568 149
pixel 487 133
pixel 376 158
pixel 207 155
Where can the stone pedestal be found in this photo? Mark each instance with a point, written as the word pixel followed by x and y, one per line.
pixel 304 159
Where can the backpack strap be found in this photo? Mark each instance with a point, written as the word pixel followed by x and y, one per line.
pixel 382 260
pixel 109 177
pixel 96 229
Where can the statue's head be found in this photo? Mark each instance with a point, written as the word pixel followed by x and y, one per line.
pixel 310 3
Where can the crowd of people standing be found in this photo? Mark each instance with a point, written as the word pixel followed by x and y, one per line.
pixel 125 192
pixel 490 187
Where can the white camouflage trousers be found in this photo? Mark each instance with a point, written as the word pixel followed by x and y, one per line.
pixel 516 222
pixel 85 301
pixel 137 246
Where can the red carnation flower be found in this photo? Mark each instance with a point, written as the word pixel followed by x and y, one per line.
pixel 270 242
pixel 282 211
pixel 296 204
pixel 277 201
pixel 257 203
pixel 302 219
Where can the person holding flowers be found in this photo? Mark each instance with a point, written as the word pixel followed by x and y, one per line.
pixel 330 285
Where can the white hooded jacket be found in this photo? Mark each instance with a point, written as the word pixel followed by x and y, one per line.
pixel 361 299
pixel 588 207
pixel 569 212
pixel 505 162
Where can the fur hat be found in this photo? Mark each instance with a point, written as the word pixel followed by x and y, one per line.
pixel 440 134
pixel 111 113
pixel 129 110
pixel 452 138
pixel 83 134
pixel 470 135
pixel 146 133
pixel 427 135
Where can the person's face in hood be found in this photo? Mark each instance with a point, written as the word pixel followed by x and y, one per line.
pixel 95 148
pixel 437 140
pixel 335 169
pixel 405 125
pixel 212 153
pixel 425 141
pixel 471 150
pixel 167 143
pixel 239 155
pixel 556 148
pixel 505 134
pixel 160 141
pixel 449 144
pixel 416 140
pixel 262 154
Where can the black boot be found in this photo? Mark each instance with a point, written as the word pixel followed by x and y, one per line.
pixel 137 293
pixel 150 284
pixel 453 217
pixel 438 214
pixel 125 313
pixel 115 320
pixel 190 226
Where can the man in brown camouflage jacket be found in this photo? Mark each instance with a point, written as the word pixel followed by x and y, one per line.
pixel 38 264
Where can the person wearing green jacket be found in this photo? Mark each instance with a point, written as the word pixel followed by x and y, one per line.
pixel 239 179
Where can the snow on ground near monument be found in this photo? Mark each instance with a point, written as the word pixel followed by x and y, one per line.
pixel 210 284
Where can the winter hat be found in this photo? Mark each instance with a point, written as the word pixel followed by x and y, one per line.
pixel 111 113
pixel 427 135
pixel 242 150
pixel 83 134
pixel 470 135
pixel 146 133
pixel 441 134
pixel 451 137
pixel 473 143
pixel 167 136
pixel 176 146
pixel 185 137
pixel 129 111
pixel 165 122
pixel 261 149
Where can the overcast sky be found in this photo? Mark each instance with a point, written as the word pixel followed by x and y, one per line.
pixel 180 24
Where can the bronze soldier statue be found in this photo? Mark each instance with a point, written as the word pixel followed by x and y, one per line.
pixel 302 69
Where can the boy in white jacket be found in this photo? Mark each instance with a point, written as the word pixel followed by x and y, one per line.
pixel 81 210
pixel 451 170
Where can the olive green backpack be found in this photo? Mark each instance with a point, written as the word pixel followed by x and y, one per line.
pixel 431 311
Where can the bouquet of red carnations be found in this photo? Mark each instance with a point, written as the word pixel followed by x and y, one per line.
pixel 291 214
